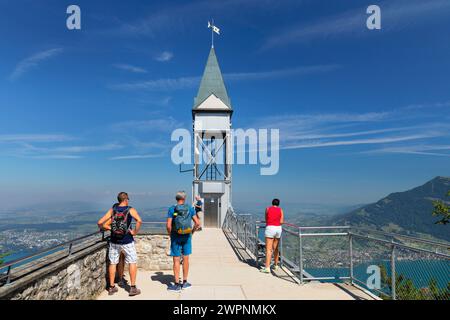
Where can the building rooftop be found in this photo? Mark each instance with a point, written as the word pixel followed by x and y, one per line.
pixel 212 83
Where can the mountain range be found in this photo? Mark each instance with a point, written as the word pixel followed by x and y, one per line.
pixel 408 212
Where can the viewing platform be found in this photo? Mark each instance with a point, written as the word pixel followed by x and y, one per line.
pixel 220 269
pixel 317 263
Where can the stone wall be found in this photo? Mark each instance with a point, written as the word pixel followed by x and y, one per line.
pixel 79 276
pixel 153 252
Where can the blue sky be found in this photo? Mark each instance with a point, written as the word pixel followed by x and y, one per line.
pixel 88 113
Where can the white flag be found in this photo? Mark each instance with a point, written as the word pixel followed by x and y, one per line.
pixel 214 28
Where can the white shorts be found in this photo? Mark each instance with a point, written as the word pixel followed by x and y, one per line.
pixel 273 232
pixel 129 249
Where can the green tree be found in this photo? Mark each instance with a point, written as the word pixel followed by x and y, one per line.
pixel 441 209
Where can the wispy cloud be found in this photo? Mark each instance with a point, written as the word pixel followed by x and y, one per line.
pixel 16 138
pixel 88 148
pixel 164 56
pixel 273 74
pixel 421 149
pixel 33 62
pixel 130 68
pixel 395 14
pixel 57 156
pixel 48 146
pixel 161 102
pixel 318 144
pixel 162 125
pixel 138 156
pixel 169 84
pixel 177 18
pixel 138 149
pixel 393 130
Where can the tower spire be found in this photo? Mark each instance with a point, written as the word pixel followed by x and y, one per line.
pixel 212 83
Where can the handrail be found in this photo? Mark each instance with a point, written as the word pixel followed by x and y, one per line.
pixel 14 262
pixel 9 265
pixel 401 245
pixel 397 235
pixel 251 241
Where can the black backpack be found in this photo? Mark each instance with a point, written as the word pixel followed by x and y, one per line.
pixel 119 223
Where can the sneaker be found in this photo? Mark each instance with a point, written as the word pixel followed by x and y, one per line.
pixel 174 287
pixel 186 285
pixel 264 270
pixel 134 291
pixel 112 290
pixel 276 267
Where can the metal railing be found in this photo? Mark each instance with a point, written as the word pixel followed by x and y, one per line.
pixel 66 249
pixel 70 247
pixel 391 266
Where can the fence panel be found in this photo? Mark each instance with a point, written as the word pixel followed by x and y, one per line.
pixel 372 267
pixel 325 255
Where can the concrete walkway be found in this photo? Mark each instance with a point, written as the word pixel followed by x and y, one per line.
pixel 219 272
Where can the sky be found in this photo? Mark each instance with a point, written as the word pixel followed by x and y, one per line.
pixel 88 113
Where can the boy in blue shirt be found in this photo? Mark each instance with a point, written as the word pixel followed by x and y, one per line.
pixel 179 227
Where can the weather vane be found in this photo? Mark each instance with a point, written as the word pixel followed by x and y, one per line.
pixel 213 29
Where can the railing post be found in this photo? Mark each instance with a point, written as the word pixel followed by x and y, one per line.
pixel 8 275
pixel 393 274
pixel 350 249
pixel 103 235
pixel 256 244
pixel 245 234
pixel 70 248
pixel 300 252
pixel 280 250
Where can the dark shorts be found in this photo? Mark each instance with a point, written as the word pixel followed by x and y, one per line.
pixel 180 245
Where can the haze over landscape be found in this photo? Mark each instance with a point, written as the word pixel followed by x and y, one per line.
pixel 364 136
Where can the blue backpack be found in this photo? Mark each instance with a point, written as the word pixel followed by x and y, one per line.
pixel 182 223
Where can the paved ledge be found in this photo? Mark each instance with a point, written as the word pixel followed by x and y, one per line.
pixel 218 274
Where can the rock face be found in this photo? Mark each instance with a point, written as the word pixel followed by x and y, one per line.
pixel 153 252
pixel 82 279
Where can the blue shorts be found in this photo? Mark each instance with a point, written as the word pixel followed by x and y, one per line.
pixel 180 245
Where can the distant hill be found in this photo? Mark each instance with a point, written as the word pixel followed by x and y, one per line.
pixel 407 212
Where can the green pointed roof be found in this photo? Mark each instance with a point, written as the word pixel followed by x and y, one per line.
pixel 212 82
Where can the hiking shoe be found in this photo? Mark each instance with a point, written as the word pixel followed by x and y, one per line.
pixel 112 290
pixel 264 270
pixel 186 285
pixel 174 287
pixel 134 291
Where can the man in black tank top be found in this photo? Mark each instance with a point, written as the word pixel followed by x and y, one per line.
pixel 118 220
